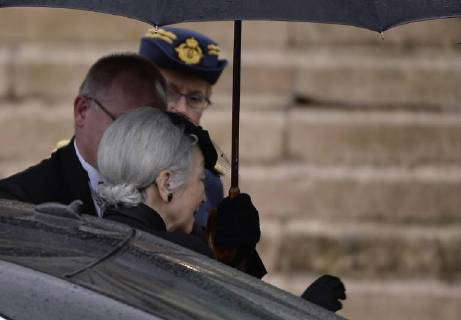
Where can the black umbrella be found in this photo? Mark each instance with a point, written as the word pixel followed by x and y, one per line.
pixel 375 15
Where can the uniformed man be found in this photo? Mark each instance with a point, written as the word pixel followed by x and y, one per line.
pixel 191 64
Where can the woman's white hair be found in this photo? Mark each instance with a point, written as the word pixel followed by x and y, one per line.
pixel 135 149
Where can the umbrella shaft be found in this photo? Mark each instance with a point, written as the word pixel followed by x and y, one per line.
pixel 236 104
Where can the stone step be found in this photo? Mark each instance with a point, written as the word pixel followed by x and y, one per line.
pixel 251 101
pixel 317 137
pixel 39 24
pixel 29 132
pixel 312 138
pixel 436 33
pixel 421 299
pixel 427 77
pixel 425 195
pixel 257 143
pixel 374 138
pixel 32 71
pixel 48 123
pixel 222 100
pixel 44 24
pixel 302 35
pixel 362 192
pixel 362 250
pixel 376 76
pixel 5 74
pixel 304 137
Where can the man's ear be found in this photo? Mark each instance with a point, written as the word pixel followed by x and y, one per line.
pixel 81 107
pixel 163 184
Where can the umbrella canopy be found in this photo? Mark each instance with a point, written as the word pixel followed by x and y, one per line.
pixel 376 15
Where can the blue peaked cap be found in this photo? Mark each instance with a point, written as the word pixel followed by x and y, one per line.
pixel 183 50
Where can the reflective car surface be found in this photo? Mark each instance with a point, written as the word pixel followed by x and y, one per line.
pixel 56 264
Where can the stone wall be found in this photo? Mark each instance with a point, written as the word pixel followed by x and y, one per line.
pixel 350 143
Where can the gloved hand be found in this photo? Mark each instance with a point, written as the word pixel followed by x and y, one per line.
pixel 237 223
pixel 326 292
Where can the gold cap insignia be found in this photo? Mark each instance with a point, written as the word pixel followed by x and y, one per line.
pixel 161 34
pixel 213 50
pixel 190 52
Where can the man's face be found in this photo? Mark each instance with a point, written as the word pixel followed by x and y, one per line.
pixel 91 120
pixel 188 95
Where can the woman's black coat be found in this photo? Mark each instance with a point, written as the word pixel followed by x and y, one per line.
pixel 146 219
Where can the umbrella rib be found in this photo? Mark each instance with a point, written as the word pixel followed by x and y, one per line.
pixel 382 26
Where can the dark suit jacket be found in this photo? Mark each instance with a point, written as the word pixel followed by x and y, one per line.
pixel 60 178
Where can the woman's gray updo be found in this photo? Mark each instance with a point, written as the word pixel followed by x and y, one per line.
pixel 135 149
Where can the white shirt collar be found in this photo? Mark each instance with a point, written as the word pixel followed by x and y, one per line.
pixel 93 175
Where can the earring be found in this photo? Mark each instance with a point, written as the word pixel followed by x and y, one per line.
pixel 170 197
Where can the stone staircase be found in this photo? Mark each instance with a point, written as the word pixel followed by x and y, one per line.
pixel 351 158
pixel 350 144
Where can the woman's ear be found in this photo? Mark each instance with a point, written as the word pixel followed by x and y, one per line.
pixel 163 185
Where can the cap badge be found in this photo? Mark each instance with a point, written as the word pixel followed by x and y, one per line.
pixel 161 34
pixel 190 52
pixel 213 50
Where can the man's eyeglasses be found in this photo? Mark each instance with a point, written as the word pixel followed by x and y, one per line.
pixel 99 104
pixel 195 101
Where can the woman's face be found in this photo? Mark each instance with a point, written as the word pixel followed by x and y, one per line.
pixel 186 201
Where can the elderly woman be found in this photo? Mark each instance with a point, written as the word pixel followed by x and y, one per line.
pixel 152 164
pixel 153 174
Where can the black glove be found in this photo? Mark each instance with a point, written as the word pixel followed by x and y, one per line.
pixel 237 231
pixel 326 292
pixel 237 223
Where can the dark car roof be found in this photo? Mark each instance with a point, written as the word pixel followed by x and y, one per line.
pixel 126 270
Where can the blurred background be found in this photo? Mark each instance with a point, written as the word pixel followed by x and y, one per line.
pixel 350 143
